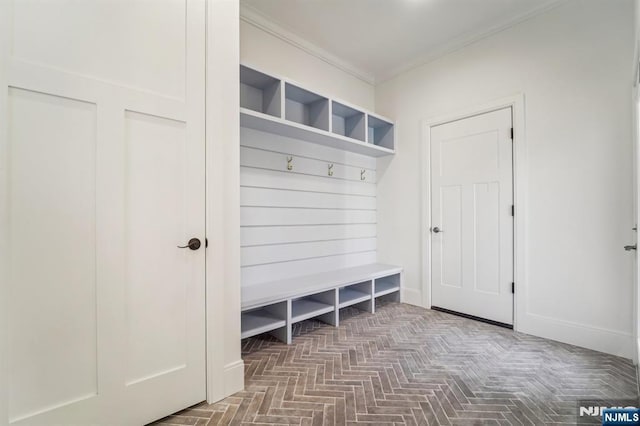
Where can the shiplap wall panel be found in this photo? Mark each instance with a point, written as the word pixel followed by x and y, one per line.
pixel 271 235
pixel 265 159
pixel 257 197
pixel 281 216
pixel 302 221
pixel 256 139
pixel 257 178
pixel 254 275
pixel 261 255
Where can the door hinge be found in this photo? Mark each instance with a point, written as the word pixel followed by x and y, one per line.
pixel 513 287
pixel 513 210
pixel 512 133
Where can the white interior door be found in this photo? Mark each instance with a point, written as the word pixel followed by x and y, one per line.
pixel 471 216
pixel 104 171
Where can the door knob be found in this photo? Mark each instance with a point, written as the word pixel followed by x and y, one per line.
pixel 436 230
pixel 629 248
pixel 194 244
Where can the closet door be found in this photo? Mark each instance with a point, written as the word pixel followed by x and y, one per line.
pixel 103 172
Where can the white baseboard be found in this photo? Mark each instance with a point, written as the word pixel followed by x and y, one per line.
pixel 234 377
pixel 609 341
pixel 412 296
pixel 228 380
pixel 603 340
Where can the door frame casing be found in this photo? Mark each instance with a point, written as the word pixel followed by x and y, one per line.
pixel 516 103
pixel 635 108
pixel 5 21
pixel 224 365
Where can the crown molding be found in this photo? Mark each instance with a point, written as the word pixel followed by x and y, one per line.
pixel 257 19
pixel 253 17
pixel 468 39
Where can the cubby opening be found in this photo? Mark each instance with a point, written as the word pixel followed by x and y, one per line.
pixel 380 132
pixel 354 294
pixel 312 306
pixel 304 107
pixel 260 92
pixel 347 121
pixel 264 319
pixel 387 285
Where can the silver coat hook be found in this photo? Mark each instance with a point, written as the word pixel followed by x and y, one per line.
pixel 362 176
pixel 330 171
pixel 289 163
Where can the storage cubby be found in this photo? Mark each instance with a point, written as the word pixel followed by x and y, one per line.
pixel 264 319
pixel 313 306
pixel 260 92
pixel 304 107
pixel 347 121
pixel 274 306
pixel 274 105
pixel 380 132
pixel 387 285
pixel 387 288
pixel 355 294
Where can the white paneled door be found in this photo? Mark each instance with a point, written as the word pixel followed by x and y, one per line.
pixel 471 216
pixel 103 169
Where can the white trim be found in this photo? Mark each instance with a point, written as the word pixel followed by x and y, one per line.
pixel 6 33
pixel 467 39
pixel 516 103
pixel 253 17
pixel 411 296
pixel 636 210
pixel 599 339
pixel 225 374
pixel 233 377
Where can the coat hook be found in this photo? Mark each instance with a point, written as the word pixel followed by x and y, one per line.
pixel 362 176
pixel 330 169
pixel 289 165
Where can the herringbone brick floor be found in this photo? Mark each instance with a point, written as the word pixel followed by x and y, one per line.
pixel 406 365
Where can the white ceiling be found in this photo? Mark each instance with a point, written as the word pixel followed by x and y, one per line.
pixel 377 39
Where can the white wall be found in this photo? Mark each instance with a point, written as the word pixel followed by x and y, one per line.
pixel 573 65
pixel 274 55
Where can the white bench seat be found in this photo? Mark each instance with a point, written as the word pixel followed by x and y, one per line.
pixel 266 293
pixel 318 296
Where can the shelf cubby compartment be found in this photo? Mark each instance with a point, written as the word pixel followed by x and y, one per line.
pixel 264 320
pixel 387 288
pixel 356 294
pixel 319 305
pixel 307 108
pixel 260 92
pixel 380 132
pixel 347 121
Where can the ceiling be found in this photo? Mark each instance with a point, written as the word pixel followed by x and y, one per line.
pixel 377 39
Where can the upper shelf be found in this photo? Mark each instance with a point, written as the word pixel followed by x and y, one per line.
pixel 281 107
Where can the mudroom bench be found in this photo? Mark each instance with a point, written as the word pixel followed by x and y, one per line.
pixel 273 307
